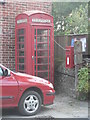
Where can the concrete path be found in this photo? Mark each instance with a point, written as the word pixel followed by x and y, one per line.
pixel 63 107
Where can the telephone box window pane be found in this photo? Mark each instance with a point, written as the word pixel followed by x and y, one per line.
pixel 35 67
pixel 35 43
pixel 35 53
pixel 21 31
pixel 35 31
pixel 21 39
pixel 21 60
pixel 42 53
pixel 49 32
pixel 41 67
pixel 42 60
pixel 42 46
pixel 42 32
pixel 21 46
pixel 21 53
pixel 21 67
pixel 43 74
pixel 41 38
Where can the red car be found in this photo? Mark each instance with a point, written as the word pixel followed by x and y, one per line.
pixel 24 91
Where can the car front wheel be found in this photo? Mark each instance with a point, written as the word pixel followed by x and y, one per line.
pixel 30 103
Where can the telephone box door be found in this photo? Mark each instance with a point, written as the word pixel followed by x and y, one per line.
pixel 42 50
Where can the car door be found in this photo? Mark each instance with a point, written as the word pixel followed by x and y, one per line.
pixel 9 88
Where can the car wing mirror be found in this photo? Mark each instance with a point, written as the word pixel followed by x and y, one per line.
pixel 6 72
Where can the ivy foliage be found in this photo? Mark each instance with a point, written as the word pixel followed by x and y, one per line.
pixel 77 21
pixel 70 17
pixel 83 80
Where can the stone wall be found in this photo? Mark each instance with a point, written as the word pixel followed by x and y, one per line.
pixel 65 80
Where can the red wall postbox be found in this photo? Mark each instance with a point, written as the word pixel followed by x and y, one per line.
pixel 69 57
pixel 34 44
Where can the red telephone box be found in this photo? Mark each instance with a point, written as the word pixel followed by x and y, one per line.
pixel 69 57
pixel 34 44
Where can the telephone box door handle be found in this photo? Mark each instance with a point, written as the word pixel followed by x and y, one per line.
pixel 32 57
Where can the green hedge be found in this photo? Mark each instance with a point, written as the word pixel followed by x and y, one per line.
pixel 83 83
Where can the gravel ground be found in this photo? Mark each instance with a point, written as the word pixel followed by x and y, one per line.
pixel 63 107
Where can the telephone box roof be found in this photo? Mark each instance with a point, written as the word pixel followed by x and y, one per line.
pixel 34 12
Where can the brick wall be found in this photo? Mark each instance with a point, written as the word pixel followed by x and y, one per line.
pixel 8 12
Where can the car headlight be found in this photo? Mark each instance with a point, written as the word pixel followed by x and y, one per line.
pixel 51 85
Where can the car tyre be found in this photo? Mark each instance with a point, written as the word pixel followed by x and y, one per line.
pixel 30 103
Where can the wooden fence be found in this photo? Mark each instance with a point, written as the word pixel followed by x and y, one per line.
pixel 64 41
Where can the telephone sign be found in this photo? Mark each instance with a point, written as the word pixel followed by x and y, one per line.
pixel 41 20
